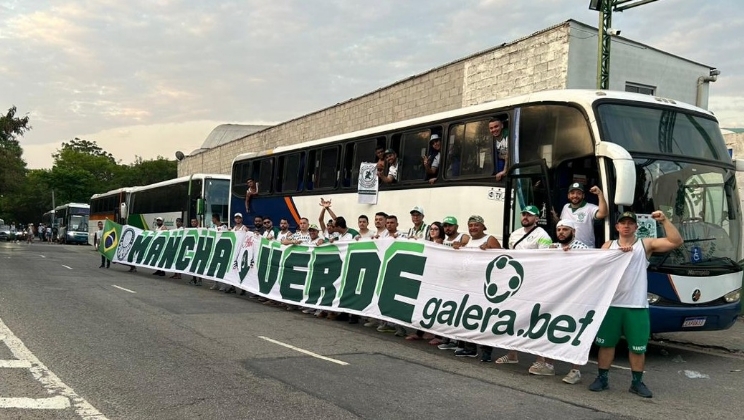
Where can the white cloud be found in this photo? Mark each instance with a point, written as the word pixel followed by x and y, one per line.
pixel 102 66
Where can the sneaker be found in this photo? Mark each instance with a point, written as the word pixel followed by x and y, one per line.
pixel 599 384
pixel 400 331
pixel 641 390
pixel 485 357
pixel 466 353
pixel 371 323
pixel 385 328
pixel 542 369
pixel 573 377
pixel 447 346
pixel 503 360
pixel 308 311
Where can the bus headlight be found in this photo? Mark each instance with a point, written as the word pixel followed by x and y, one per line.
pixel 732 296
pixel 652 298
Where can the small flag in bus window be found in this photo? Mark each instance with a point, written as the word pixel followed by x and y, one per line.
pixel 368 183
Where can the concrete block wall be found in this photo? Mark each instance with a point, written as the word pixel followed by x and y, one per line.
pixel 537 62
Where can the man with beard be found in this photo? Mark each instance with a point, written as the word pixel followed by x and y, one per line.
pixel 584 214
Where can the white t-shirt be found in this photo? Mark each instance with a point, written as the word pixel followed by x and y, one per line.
pixel 368 235
pixel 537 239
pixel 283 235
pixel 435 162
pixel 449 242
pixel 632 291
pixel 393 171
pixel 584 219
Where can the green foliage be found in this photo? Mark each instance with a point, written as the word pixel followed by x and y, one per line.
pixel 81 168
pixel 12 165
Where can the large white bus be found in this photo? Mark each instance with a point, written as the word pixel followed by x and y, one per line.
pixel 196 196
pixel 72 223
pixel 644 152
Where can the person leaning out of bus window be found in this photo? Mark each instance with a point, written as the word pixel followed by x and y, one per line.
pixel 251 191
pixel 391 177
pixel 500 147
pixel 432 158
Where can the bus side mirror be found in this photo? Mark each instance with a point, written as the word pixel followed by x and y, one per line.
pixel 200 206
pixel 123 212
pixel 739 165
pixel 625 174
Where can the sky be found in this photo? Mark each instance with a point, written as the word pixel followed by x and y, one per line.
pixel 150 77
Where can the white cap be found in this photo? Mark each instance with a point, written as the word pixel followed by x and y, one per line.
pixel 237 215
pixel 418 209
pixel 434 137
pixel 567 223
pixel 158 219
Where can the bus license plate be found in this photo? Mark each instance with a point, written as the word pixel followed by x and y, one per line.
pixel 698 321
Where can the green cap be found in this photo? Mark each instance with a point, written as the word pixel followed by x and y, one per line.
pixel 449 220
pixel 628 215
pixel 531 210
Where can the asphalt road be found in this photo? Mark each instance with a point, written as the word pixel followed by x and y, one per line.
pixel 119 345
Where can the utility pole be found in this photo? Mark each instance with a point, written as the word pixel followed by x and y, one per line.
pixel 605 9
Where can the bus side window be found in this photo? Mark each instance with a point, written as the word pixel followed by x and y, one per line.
pixel 328 171
pixel 364 151
pixel 291 171
pixel 347 165
pixel 414 146
pixel 310 170
pixel 265 175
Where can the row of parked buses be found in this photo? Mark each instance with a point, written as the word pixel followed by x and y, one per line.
pixel 645 153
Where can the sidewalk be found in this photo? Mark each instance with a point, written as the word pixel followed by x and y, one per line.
pixel 731 340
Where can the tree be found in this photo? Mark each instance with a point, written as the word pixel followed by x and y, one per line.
pixel 12 165
pixel 145 172
pixel 81 169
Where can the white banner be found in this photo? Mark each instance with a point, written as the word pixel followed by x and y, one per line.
pixel 545 302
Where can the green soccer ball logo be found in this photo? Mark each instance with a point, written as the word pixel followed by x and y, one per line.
pixel 504 276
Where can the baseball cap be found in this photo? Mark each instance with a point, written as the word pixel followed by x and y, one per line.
pixel 531 210
pixel 449 220
pixel 313 227
pixel 576 186
pixel 628 215
pixel 477 219
pixel 238 215
pixel 389 151
pixel 567 223
pixel 418 209
pixel 158 219
pixel 434 137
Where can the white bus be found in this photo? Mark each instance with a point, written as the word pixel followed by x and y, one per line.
pixel 644 152
pixel 196 196
pixel 72 223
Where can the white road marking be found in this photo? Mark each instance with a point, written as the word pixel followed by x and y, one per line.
pixel 48 380
pixel 15 364
pixel 51 403
pixel 309 353
pixel 615 366
pixel 121 288
pixel 42 256
pixel 67 267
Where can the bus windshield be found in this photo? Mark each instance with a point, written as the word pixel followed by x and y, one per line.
pixel 701 200
pixel 664 131
pixel 78 223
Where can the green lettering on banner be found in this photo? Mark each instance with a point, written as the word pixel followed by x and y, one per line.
pixel 536 318
pixel 269 261
pixel 474 313
pixel 156 248
pixel 505 325
pixel 585 321
pixel 171 248
pixel 186 252
pixel 401 258
pixel 222 255
pixel 326 268
pixel 431 308
pixel 460 309
pixel 447 316
pixel 202 252
pixel 359 279
pixel 555 326
pixel 139 247
pixel 295 267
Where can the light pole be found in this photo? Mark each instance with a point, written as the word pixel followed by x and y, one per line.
pixel 605 9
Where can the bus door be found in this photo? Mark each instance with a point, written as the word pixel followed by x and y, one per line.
pixel 527 184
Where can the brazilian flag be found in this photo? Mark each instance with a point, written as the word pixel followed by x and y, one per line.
pixel 110 239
